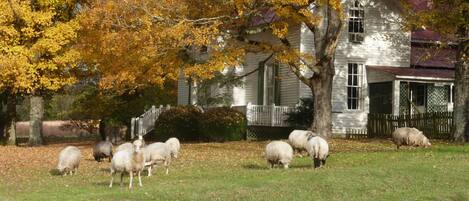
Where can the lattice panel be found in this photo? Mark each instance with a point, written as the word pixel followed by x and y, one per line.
pixel 404 98
pixel 437 99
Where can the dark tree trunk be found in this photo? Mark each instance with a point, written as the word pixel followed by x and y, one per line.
pixel 322 96
pixel 35 121
pixel 102 129
pixel 461 93
pixel 10 124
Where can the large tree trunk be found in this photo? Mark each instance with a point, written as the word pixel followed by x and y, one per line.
pixel 10 126
pixel 35 121
pixel 322 96
pixel 461 94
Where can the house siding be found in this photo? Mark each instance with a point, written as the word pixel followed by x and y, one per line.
pixel 385 44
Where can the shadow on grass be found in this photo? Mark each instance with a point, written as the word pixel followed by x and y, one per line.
pixel 55 172
pixel 265 167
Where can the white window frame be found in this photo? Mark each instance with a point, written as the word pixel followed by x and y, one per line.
pixel 356 37
pixel 358 84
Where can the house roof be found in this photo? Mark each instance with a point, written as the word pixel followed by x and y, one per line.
pixel 433 57
pixel 406 72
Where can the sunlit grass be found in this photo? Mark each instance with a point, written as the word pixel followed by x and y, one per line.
pixel 356 170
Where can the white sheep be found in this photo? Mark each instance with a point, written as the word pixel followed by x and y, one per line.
pixel 298 140
pixel 156 154
pixel 278 152
pixel 410 137
pixel 69 160
pixel 174 145
pixel 318 150
pixel 101 150
pixel 130 161
pixel 125 146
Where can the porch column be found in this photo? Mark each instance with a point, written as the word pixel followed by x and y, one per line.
pixel 395 96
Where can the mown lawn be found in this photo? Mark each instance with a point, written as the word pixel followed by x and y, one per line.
pixel 356 170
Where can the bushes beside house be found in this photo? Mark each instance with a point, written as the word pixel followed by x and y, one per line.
pixel 188 123
pixel 302 117
pixel 223 124
pixel 181 122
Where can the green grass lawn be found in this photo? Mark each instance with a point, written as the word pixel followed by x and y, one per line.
pixel 356 170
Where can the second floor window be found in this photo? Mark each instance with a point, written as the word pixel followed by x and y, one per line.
pixel 356 22
pixel 354 86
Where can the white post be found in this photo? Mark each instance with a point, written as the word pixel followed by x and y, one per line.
pixel 248 113
pixel 140 126
pixel 273 115
pixel 132 128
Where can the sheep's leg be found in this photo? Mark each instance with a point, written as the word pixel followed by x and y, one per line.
pixel 122 178
pixel 166 164
pixel 112 179
pixel 131 179
pixel 323 162
pixel 149 170
pixel 317 163
pixel 139 179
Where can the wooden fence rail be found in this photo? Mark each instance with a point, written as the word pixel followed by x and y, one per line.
pixel 436 125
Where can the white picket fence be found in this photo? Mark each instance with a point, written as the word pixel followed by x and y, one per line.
pixel 145 123
pixel 256 115
pixel 266 115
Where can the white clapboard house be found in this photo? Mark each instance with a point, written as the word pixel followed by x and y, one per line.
pixel 379 69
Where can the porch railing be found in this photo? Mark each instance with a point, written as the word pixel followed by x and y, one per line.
pixel 266 115
pixel 145 123
pixel 257 115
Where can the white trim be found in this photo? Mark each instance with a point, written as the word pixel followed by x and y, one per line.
pixel 423 78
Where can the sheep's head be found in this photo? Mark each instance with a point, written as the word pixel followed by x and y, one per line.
pixel 137 145
pixel 426 143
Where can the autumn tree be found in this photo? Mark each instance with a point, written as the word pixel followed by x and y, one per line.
pixel 450 19
pixel 35 54
pixel 135 43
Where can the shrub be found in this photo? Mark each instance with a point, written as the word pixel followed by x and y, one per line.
pixel 223 124
pixel 181 122
pixel 303 117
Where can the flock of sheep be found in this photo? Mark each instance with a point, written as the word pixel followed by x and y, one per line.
pixel 281 153
pixel 133 157
pixel 129 157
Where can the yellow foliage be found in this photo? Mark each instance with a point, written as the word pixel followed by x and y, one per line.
pixel 35 50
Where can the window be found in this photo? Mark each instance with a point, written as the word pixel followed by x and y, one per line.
pixel 355 22
pixel 354 85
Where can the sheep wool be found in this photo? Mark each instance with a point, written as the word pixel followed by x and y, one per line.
pixel 130 161
pixel 174 145
pixel 69 160
pixel 318 150
pixel 102 150
pixel 125 146
pixel 409 136
pixel 278 152
pixel 156 154
pixel 298 140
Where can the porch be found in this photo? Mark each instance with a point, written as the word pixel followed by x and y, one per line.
pixel 398 90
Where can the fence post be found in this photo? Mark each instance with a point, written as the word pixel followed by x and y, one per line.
pixel 132 128
pixel 272 115
pixel 248 113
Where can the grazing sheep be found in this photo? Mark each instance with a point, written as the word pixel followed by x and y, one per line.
pixel 318 150
pixel 101 150
pixel 298 140
pixel 156 154
pixel 125 146
pixel 278 152
pixel 410 137
pixel 174 145
pixel 69 160
pixel 130 161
